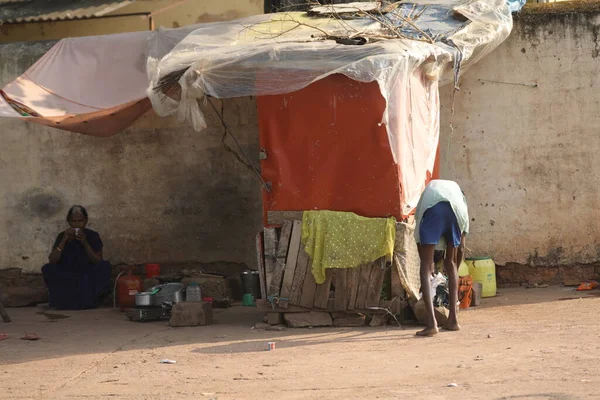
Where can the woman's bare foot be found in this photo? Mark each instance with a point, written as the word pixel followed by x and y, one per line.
pixel 452 327
pixel 428 332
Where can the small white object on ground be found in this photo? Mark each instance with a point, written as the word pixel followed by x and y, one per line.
pixel 452 385
pixel 166 361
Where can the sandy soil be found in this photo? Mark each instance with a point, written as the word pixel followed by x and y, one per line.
pixel 523 344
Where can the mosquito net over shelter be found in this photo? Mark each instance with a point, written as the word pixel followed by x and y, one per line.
pixel 281 53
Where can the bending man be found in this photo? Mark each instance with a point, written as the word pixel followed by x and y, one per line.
pixel 442 222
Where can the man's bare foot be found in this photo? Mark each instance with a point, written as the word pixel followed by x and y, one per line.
pixel 452 327
pixel 428 332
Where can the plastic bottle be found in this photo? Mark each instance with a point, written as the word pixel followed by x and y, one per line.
pixel 193 292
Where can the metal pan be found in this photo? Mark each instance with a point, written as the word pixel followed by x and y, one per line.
pixel 145 299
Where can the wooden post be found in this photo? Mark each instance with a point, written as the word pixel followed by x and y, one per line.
pixel 281 255
pixel 352 281
pixel 376 283
pixel 3 313
pixel 290 265
pixel 341 289
pixel 261 265
pixel 299 276
pixel 270 242
pixel 363 286
pixel 309 288
pixel 322 291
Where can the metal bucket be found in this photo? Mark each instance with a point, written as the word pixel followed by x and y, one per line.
pixel 251 283
pixel 171 292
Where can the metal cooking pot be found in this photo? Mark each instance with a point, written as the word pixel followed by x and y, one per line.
pixel 145 299
pixel 171 292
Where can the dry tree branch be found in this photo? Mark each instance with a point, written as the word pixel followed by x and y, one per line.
pixel 286 18
pixel 388 30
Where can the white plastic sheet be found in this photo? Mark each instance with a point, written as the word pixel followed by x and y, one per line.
pixel 94 85
pixel 284 52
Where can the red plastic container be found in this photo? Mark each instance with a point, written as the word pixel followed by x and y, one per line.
pixel 152 270
pixel 127 286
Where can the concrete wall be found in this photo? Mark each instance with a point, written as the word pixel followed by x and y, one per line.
pixel 525 143
pixel 157 192
pixel 523 148
pixel 168 14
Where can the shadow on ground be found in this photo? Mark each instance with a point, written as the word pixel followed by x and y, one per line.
pixel 105 331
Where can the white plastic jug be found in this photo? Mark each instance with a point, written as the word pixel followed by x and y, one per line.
pixel 193 292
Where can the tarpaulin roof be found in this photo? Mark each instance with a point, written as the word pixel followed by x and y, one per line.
pixel 98 85
pixel 390 44
pixel 55 10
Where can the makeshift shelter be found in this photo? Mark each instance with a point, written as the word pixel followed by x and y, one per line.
pixel 348 113
pixel 348 118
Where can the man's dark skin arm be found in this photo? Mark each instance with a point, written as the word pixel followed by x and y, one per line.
pixel 460 252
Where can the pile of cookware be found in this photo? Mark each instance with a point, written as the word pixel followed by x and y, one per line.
pixel 156 303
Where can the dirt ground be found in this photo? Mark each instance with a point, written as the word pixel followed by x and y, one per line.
pixel 523 344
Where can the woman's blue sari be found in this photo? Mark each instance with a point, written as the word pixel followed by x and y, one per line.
pixel 75 283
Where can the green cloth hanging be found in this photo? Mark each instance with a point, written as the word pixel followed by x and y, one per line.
pixel 345 240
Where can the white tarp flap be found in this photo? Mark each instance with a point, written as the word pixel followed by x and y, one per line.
pixel 284 52
pixel 80 82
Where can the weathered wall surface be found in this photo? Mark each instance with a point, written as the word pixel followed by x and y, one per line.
pixel 159 192
pixel 525 143
pixel 523 149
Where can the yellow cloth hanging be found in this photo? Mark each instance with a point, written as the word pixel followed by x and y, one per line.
pixel 345 240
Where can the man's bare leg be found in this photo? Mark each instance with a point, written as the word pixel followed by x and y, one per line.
pixel 426 253
pixel 452 271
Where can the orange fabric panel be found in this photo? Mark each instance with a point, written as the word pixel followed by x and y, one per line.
pixel 103 123
pixel 327 151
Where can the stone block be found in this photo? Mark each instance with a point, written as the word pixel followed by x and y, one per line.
pixel 23 296
pixel 379 320
pixel 441 313
pixel 274 318
pixel 308 319
pixel 10 274
pixel 191 314
pixel 276 328
pixel 350 321
pixel 210 286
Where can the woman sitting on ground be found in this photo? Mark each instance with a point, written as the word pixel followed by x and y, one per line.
pixel 76 276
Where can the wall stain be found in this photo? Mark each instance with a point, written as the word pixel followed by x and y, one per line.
pixel 226 16
pixel 38 203
pixel 596 49
pixel 553 257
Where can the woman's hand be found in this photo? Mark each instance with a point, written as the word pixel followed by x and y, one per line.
pixel 69 234
pixel 80 235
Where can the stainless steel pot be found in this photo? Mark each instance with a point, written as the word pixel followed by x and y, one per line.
pixel 145 299
pixel 171 292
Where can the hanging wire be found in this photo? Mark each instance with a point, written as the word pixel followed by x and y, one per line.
pixel 250 163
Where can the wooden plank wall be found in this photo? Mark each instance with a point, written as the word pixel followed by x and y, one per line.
pixel 288 277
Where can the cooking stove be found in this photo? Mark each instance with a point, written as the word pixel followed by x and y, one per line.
pixel 143 314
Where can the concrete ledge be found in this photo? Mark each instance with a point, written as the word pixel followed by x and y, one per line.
pixel 563 7
pixel 514 275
